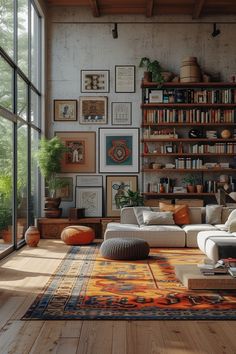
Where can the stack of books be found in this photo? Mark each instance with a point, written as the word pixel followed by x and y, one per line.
pixel 213 269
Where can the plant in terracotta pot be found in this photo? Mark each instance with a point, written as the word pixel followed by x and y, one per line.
pixel 199 185
pixel 153 68
pixel 49 156
pixel 129 199
pixel 190 182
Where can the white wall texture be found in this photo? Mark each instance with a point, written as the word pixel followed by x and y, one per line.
pixel 77 41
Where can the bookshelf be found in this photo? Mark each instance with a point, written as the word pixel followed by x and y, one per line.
pixel 188 128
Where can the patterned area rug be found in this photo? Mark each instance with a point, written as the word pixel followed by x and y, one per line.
pixel 86 286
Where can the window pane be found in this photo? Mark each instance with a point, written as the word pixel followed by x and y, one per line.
pixel 6 85
pixel 23 35
pixel 6 182
pixel 22 100
pixel 7 26
pixel 34 200
pixel 22 167
pixel 35 99
pixel 35 47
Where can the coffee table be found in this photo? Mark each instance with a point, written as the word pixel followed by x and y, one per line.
pixel 191 277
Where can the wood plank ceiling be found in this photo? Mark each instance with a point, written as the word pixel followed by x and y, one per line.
pixel 149 8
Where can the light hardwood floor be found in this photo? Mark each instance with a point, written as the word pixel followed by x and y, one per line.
pixel 25 272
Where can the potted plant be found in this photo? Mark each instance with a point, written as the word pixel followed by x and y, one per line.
pixel 49 156
pixel 154 70
pixel 129 199
pixel 190 182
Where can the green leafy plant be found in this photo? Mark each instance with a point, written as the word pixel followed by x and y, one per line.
pixel 189 180
pixel 49 156
pixel 154 68
pixel 130 198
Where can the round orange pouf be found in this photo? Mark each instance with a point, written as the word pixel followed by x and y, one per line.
pixel 77 235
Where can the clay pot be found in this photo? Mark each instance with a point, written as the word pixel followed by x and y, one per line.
pixel 190 188
pixel 199 188
pixel 147 76
pixel 52 203
pixel 32 236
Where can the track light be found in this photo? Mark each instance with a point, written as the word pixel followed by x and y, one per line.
pixel 115 31
pixel 216 31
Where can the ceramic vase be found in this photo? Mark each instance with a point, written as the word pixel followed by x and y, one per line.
pixel 32 236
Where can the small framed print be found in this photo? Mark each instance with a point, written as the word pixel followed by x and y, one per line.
pixel 66 193
pixel 121 113
pixel 156 96
pixel 117 186
pixel 89 198
pixel 119 150
pixel 81 154
pixel 65 110
pixel 93 110
pixel 94 80
pixel 125 78
pixel 169 149
pixel 89 181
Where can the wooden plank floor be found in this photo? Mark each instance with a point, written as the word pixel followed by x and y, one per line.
pixel 25 272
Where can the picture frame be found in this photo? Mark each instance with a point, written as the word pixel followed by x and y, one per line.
pixel 66 193
pixel 81 155
pixel 88 181
pixel 65 110
pixel 95 80
pixel 116 184
pixel 124 78
pixel 119 150
pixel 93 110
pixel 156 96
pixel 169 149
pixel 91 199
pixel 121 113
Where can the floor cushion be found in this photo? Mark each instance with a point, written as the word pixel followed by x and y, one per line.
pixel 77 235
pixel 124 248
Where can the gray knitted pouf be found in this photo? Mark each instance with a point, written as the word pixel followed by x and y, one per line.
pixel 124 248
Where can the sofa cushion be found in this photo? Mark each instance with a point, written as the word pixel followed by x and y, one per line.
pixel 204 236
pixel 180 212
pixel 213 214
pixel 231 218
pixel 192 231
pixel 225 213
pixel 138 212
pixel 158 217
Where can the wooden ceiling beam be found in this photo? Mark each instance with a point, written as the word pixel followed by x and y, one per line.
pixel 197 10
pixel 149 8
pixel 95 8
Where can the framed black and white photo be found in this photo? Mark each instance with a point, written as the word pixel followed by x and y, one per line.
pixel 89 181
pixel 93 110
pixel 119 150
pixel 89 198
pixel 94 80
pixel 125 78
pixel 121 113
pixel 65 110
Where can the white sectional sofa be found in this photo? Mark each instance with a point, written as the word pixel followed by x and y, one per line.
pixel 166 235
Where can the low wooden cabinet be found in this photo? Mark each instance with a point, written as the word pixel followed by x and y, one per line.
pixel 51 228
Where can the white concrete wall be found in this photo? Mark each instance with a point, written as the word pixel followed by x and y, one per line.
pixel 75 42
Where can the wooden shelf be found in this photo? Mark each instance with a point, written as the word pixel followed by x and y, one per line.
pixel 188 84
pixel 228 124
pixel 186 154
pixel 187 140
pixel 184 170
pixel 176 194
pixel 186 105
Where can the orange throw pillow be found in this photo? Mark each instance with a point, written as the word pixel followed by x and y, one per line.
pixel 180 212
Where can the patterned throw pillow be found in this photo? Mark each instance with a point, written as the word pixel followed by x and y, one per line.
pixel 180 212
pixel 213 214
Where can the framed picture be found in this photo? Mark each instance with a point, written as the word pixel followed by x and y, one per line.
pixel 119 150
pixel 94 80
pixel 124 78
pixel 93 110
pixel 92 181
pixel 65 110
pixel 81 155
pixel 156 96
pixel 89 198
pixel 121 113
pixel 115 187
pixel 169 149
pixel 66 193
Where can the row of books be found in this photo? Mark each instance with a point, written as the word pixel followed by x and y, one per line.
pixel 177 95
pixel 196 115
pixel 221 148
pixel 187 162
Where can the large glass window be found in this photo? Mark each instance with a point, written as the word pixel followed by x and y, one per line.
pixel 20 102
pixel 7 26
pixel 6 183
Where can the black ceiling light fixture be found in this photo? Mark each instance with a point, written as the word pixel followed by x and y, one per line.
pixel 216 31
pixel 115 31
